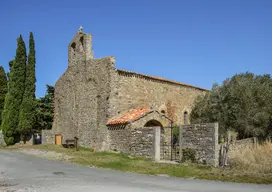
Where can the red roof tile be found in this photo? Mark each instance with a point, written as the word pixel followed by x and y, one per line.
pixel 129 116
pixel 159 79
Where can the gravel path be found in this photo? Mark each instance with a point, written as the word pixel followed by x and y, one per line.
pixel 46 154
pixel 26 173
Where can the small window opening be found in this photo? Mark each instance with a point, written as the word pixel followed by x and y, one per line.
pixel 162 111
pixel 73 46
pixel 82 43
pixel 185 117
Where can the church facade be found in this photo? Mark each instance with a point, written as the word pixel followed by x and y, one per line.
pixel 92 95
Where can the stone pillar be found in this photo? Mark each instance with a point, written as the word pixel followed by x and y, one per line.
pixel 216 145
pixel 2 141
pixel 156 143
pixel 180 143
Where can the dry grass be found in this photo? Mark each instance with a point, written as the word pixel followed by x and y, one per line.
pixel 254 160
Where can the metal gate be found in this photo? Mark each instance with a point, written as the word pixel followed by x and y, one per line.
pixel 170 144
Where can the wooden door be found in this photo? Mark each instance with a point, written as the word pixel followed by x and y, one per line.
pixel 58 139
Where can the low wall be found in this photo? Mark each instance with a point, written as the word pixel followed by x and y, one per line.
pixel 135 142
pixel 241 144
pixel 119 138
pixel 203 140
pixel 48 137
pixel 2 141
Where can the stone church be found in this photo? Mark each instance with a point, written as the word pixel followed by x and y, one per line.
pixel 92 95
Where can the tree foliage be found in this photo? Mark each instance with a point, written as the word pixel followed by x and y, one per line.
pixel 3 90
pixel 14 97
pixel 45 109
pixel 27 108
pixel 242 104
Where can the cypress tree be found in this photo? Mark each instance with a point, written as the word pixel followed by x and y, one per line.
pixel 10 68
pixel 3 90
pixel 27 109
pixel 14 97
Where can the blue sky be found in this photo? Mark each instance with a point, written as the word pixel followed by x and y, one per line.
pixel 194 41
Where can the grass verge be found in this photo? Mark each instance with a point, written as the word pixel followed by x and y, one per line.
pixel 122 162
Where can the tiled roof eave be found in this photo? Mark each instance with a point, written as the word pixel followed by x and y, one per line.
pixel 141 116
pixel 129 117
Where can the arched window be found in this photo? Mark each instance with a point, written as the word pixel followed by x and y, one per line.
pixel 81 48
pixel 81 40
pixel 73 48
pixel 185 117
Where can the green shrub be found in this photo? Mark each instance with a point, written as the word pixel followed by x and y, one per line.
pixel 189 155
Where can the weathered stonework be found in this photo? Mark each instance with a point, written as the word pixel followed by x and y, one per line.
pixel 135 142
pixel 137 137
pixel 2 141
pixel 155 115
pixel 140 91
pixel 82 102
pixel 203 139
pixel 239 145
pixel 92 91
pixel 48 136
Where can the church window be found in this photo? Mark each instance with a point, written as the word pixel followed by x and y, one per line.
pixel 81 44
pixel 73 46
pixel 185 117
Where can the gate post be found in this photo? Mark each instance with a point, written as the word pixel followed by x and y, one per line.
pixel 76 143
pixel 180 143
pixel 156 143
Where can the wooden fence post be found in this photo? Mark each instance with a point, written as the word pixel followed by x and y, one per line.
pixel 76 143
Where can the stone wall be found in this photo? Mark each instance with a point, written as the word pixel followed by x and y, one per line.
pixel 48 137
pixel 142 142
pixel 241 144
pixel 83 96
pixel 203 139
pixel 119 138
pixel 238 145
pixel 136 91
pixel 82 102
pixel 135 142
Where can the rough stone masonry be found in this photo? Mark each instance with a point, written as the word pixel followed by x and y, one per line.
pixel 203 139
pixel 92 91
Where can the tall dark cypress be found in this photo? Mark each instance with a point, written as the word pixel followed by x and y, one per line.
pixel 3 90
pixel 30 69
pixel 27 110
pixel 14 97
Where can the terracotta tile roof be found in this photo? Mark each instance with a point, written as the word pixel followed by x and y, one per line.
pixel 158 79
pixel 129 116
